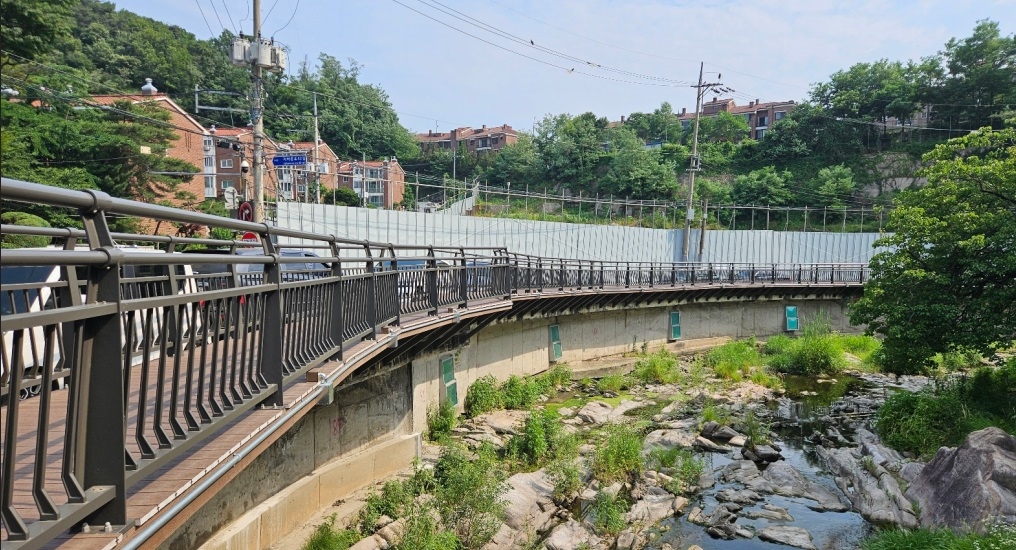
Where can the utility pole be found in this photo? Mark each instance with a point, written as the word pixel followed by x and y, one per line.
pixel 696 163
pixel 259 126
pixel 317 139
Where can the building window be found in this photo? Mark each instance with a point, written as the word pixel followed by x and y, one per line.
pixel 210 163
pixel 493 141
pixel 210 187
pixel 226 163
pixel 556 350
pixel 226 184
pixel 762 121
pixel 780 115
pixel 747 118
pixel 675 325
pixel 760 133
pixel 685 124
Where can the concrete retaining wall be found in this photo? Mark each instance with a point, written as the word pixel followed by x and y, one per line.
pixel 279 486
pixel 523 347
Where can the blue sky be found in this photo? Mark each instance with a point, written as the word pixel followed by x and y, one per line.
pixel 438 78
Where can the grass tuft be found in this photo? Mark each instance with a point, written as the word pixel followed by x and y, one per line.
pixel 483 396
pixel 619 456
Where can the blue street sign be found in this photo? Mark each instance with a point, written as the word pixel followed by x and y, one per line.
pixel 292 160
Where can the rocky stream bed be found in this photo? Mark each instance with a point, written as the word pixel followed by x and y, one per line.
pixel 799 468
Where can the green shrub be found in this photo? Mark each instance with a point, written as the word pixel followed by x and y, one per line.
pixel 733 360
pixel 327 537
pixel 777 344
pixel 658 368
pixel 922 422
pixel 567 479
pixel 756 430
pixel 557 377
pixel 469 495
pixel 483 396
pixel 712 412
pixel 619 456
pixel 680 464
pixel 520 393
pixel 542 439
pixel 391 502
pixel 999 537
pixel 441 420
pixel 957 360
pixel 23 241
pixel 424 532
pixel 860 345
pixel 613 383
pixel 609 513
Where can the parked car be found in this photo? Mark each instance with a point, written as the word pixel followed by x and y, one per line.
pixel 214 276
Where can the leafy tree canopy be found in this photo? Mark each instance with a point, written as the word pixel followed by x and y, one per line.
pixel 946 278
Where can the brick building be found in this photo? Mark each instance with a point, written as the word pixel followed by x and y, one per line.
pixel 194 144
pixel 475 140
pixel 760 116
pixel 380 183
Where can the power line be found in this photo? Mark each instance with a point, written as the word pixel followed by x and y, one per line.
pixel 270 10
pixel 536 59
pixel 210 31
pixel 290 18
pixel 532 44
pixel 212 3
pixel 228 15
pixel 622 48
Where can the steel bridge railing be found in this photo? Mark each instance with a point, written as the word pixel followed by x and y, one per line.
pixel 122 351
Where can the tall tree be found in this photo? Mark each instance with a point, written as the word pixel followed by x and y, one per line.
pixel 29 27
pixel 946 276
pixel 763 187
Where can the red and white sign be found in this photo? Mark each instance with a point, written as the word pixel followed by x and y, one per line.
pixel 250 237
pixel 245 212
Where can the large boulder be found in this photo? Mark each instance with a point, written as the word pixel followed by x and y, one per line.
pixel 595 412
pixel 965 486
pixel 871 489
pixel 530 502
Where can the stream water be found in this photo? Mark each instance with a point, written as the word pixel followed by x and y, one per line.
pixel 808 410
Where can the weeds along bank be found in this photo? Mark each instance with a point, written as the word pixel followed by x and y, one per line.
pixel 588 450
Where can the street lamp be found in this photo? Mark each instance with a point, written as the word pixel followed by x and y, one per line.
pixel 508 210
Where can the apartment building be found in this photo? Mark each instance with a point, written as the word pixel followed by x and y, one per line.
pixel 475 140
pixel 760 116
pixel 379 183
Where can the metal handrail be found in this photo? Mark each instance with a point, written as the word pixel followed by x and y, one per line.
pixel 142 336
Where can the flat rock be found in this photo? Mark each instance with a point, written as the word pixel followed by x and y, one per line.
pixel 739 471
pixel 653 508
pixel 963 487
pixel 724 433
pixel 770 512
pixel 737 441
pixel 565 412
pixel 595 412
pixel 530 505
pixel 877 498
pixel 783 479
pixel 789 535
pixel 767 453
pixel 570 535
pixel 668 439
pixel 744 496
pixel 503 422
pixel 710 446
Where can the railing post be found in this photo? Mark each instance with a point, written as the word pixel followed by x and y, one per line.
pixel 338 330
pixel 272 369
pixel 560 275
pixel 539 274
pixel 101 394
pixel 372 291
pixel 463 279
pixel 432 281
pixel 627 275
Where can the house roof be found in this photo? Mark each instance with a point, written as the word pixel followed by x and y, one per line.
pixel 468 132
pixel 161 99
pixel 323 148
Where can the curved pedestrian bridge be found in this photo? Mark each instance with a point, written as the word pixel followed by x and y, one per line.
pixel 141 375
